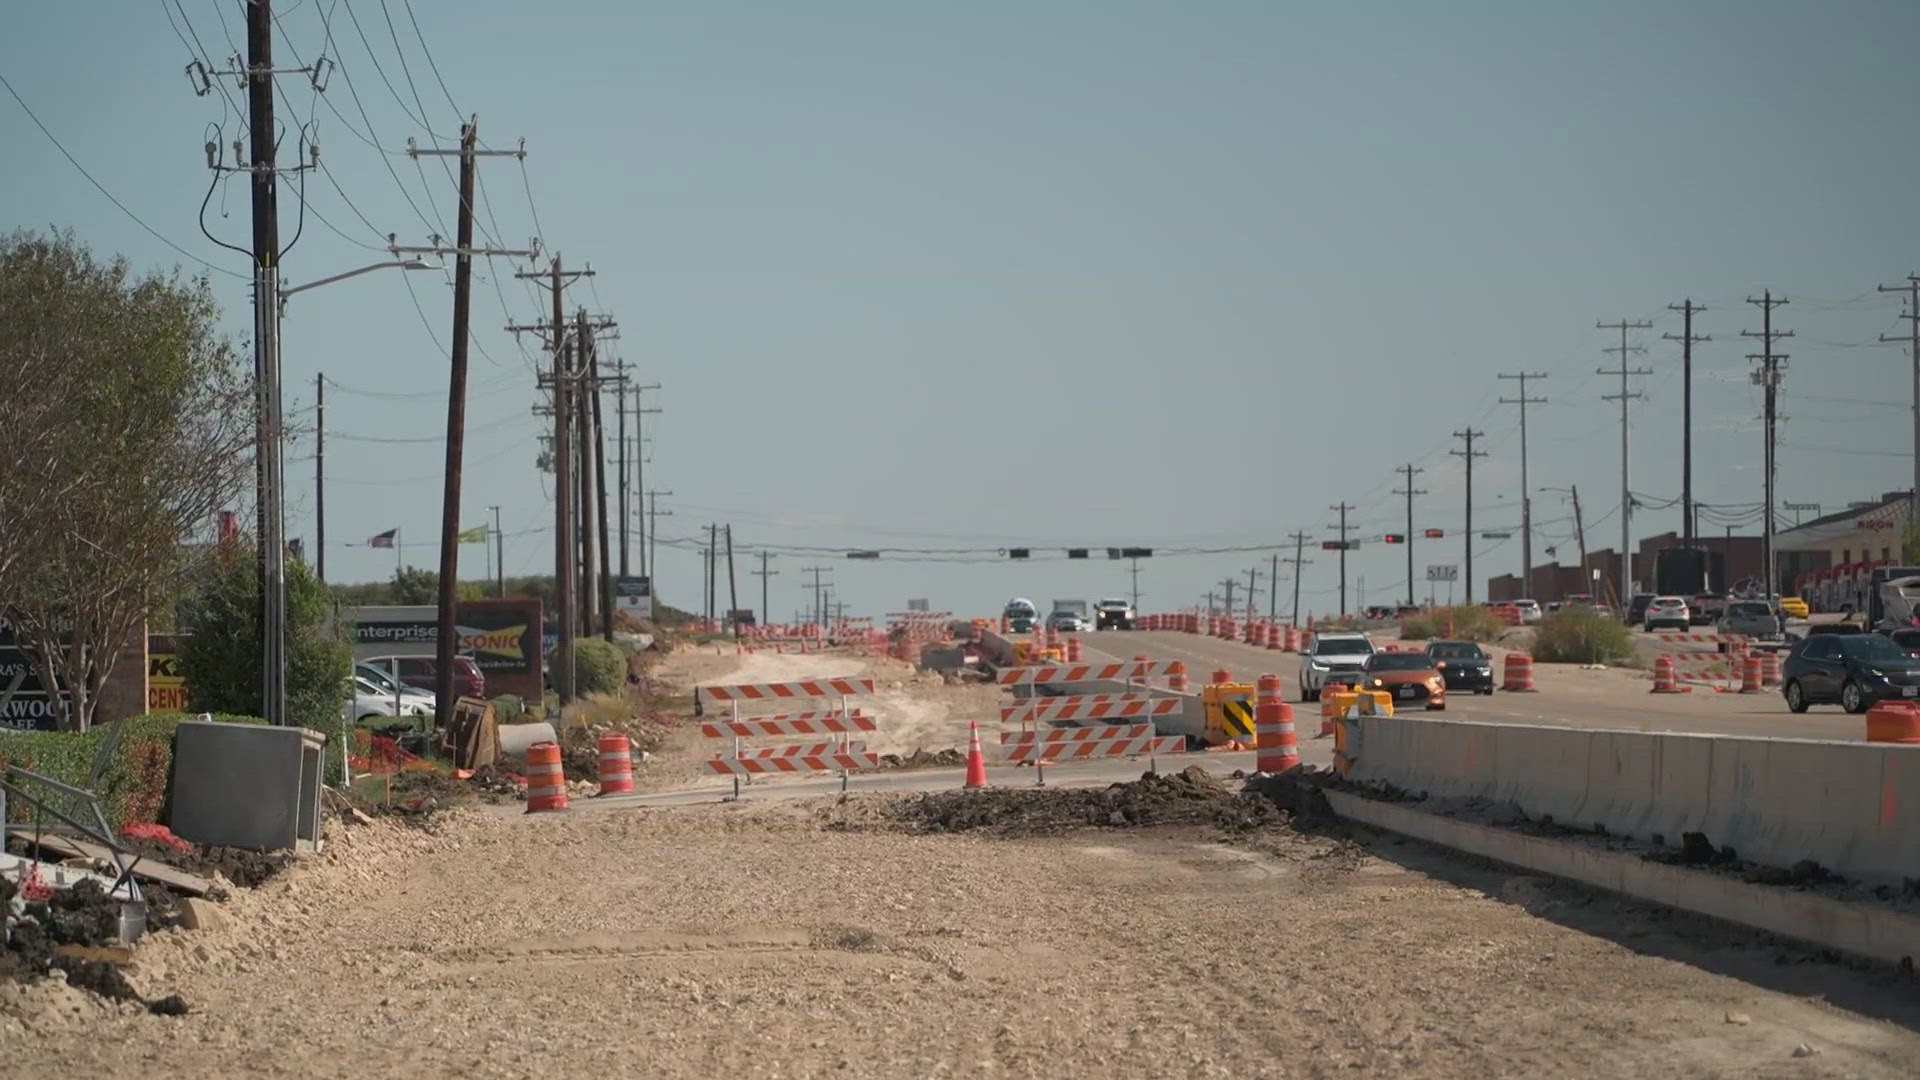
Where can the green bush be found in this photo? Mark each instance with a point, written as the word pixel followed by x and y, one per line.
pixel 134 785
pixel 220 646
pixel 599 667
pixel 1454 624
pixel 1580 636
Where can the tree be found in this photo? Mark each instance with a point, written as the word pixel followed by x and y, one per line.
pixel 220 650
pixel 127 426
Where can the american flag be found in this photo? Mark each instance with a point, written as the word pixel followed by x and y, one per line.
pixel 384 540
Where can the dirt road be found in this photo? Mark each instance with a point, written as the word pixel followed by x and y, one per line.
pixel 812 940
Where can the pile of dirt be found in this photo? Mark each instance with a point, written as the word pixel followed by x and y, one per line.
pixel 241 866
pixel 502 785
pixel 57 933
pixel 416 794
pixel 923 759
pixel 1189 797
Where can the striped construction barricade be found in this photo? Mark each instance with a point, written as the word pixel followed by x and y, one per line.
pixel 1119 671
pixel 1050 746
pixel 1089 707
pixel 842 721
pixel 786 763
pixel 802 750
pixel 822 722
pixel 785 691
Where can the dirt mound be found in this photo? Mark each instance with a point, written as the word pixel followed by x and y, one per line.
pixel 1189 797
pixel 923 759
pixel 43 940
pixel 245 868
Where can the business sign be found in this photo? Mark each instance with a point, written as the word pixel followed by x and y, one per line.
pixel 30 708
pixel 166 687
pixel 633 593
pixel 1448 572
pixel 500 635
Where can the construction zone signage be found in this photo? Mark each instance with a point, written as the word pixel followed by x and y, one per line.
pixel 500 635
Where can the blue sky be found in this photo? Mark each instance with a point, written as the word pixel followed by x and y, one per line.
pixel 971 275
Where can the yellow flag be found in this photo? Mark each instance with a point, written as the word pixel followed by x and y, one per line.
pixel 475 535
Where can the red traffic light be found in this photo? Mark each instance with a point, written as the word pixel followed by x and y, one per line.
pixel 1435 534
pixel 1395 538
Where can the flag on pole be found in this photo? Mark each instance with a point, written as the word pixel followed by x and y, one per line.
pixel 384 540
pixel 475 535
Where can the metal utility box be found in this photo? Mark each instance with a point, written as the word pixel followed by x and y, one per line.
pixel 247 785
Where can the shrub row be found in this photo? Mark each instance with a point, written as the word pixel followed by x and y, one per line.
pixel 1453 624
pixel 1580 635
pixel 133 787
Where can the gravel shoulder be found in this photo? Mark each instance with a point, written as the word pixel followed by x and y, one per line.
pixel 820 938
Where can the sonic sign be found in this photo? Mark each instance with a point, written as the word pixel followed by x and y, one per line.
pixel 502 636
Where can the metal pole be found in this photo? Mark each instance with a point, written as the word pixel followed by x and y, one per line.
pixel 320 477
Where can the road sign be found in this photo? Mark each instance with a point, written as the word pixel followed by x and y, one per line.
pixel 1496 536
pixel 917 605
pixel 1446 572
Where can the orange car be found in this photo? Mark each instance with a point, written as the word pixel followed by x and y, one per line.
pixel 1408 676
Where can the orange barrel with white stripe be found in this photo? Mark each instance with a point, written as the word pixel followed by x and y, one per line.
pixel 1273 635
pixel 1291 641
pixel 1277 748
pixel 1770 669
pixel 1519 672
pixel 616 764
pixel 1221 675
pixel 1750 675
pixel 1177 677
pixel 1073 649
pixel 546 784
pixel 1664 680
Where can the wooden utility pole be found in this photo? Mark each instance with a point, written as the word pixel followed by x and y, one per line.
pixel 262 140
pixel 1343 509
pixel 1273 588
pixel 1466 541
pixel 560 384
pixel 1686 338
pixel 603 588
pixel 766 613
pixel 733 595
pixel 1299 546
pixel 652 538
pixel 1526 492
pixel 1912 288
pixel 447 642
pixel 320 477
pixel 1409 470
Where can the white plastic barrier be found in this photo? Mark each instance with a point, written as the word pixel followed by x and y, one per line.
pixel 1852 807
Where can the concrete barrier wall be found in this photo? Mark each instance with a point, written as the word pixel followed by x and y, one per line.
pixel 1853 807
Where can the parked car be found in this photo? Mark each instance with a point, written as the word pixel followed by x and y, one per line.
pixel 1669 612
pixel 1408 676
pixel 1751 619
pixel 419 671
pixel 1113 614
pixel 1529 611
pixel 1795 607
pixel 1637 608
pixel 1909 640
pixel 1552 606
pixel 1333 656
pixel 373 702
pixel 1855 670
pixel 1463 665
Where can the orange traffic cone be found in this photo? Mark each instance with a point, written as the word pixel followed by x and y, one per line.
pixel 976 761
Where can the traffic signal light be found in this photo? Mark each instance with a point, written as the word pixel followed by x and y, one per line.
pixel 1017 553
pixel 1076 553
pixel 1395 538
pixel 1435 534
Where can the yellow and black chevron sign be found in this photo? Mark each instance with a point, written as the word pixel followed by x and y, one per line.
pixel 1237 718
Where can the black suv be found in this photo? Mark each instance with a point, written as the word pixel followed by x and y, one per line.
pixel 1855 670
pixel 1463 665
pixel 1637 608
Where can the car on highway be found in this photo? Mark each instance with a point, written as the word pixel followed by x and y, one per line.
pixel 1750 619
pixel 1067 622
pixel 1705 609
pixel 1637 608
pixel 1855 670
pixel 1408 676
pixel 1795 607
pixel 1113 614
pixel 1529 611
pixel 418 671
pixel 1022 617
pixel 1377 611
pixel 1669 612
pixel 1333 656
pixel 1463 665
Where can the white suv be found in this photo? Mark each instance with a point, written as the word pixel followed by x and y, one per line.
pixel 1529 611
pixel 1333 656
pixel 1669 611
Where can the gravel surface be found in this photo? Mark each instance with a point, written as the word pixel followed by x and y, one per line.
pixel 818 938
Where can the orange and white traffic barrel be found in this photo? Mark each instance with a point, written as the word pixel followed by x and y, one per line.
pixel 1291 642
pixel 546 783
pixel 1277 748
pixel 1221 675
pixel 1664 680
pixel 1177 677
pixel 1519 672
pixel 1770 669
pixel 1750 674
pixel 616 764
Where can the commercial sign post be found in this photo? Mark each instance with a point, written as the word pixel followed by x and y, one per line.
pixel 503 637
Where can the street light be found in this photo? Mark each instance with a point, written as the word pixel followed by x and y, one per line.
pixel 270 484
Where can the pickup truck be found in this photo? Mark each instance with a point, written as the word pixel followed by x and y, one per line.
pixel 1113 614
